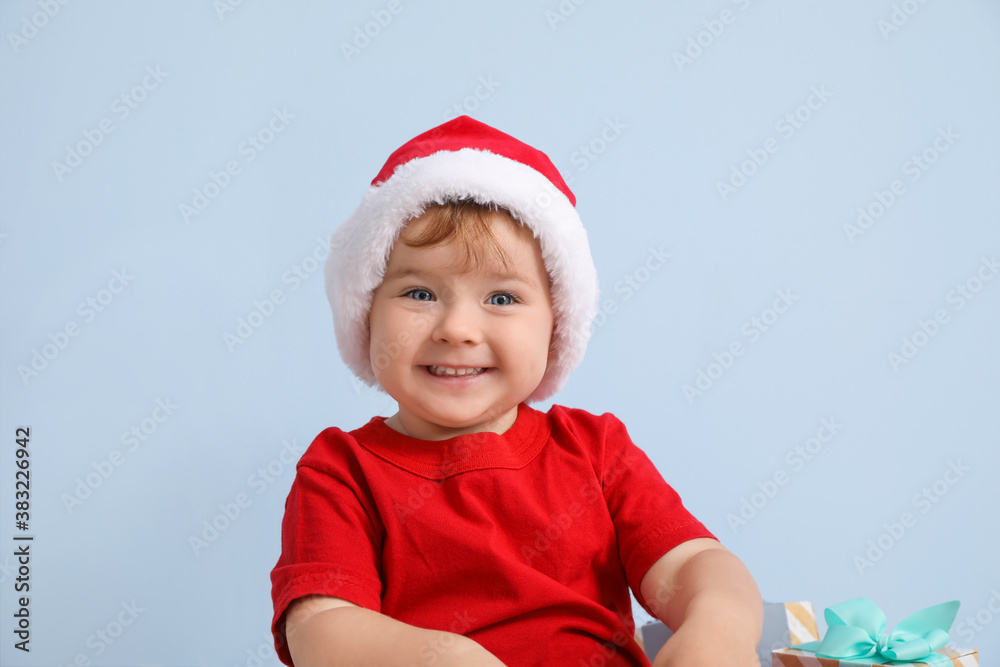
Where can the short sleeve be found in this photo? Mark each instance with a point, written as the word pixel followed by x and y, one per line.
pixel 648 514
pixel 330 545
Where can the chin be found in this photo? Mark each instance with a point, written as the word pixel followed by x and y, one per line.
pixel 466 418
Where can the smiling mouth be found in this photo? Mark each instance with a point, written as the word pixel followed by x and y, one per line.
pixel 444 371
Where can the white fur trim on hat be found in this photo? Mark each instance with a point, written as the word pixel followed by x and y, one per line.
pixel 359 249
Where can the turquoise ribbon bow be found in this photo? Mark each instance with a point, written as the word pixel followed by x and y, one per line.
pixel 857 632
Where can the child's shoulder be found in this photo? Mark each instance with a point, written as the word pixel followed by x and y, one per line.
pixel 334 446
pixel 600 438
pixel 582 422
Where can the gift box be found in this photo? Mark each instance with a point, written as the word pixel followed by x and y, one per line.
pixel 790 657
pixel 784 623
pixel 858 627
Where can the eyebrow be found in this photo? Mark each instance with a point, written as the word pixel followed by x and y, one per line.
pixel 405 271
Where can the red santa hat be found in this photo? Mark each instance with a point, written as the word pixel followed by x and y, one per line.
pixel 464 159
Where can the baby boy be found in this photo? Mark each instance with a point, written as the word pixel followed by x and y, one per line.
pixel 470 528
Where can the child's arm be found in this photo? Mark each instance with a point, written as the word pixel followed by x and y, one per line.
pixel 705 594
pixel 325 631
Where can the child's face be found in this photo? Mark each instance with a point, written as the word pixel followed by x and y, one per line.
pixel 429 319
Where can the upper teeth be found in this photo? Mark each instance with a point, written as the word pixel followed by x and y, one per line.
pixel 441 370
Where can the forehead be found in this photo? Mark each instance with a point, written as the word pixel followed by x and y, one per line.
pixel 509 250
pixel 443 222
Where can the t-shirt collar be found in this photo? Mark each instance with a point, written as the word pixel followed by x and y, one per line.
pixel 438 459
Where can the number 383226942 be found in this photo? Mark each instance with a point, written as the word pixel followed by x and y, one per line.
pixel 22 479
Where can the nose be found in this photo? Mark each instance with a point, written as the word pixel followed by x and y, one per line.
pixel 458 323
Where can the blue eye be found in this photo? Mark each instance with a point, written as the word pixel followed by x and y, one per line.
pixel 420 294
pixel 503 299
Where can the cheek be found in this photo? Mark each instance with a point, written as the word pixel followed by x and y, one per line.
pixel 382 331
pixel 535 341
pixel 395 334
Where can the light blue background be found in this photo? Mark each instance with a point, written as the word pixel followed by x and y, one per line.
pixel 556 85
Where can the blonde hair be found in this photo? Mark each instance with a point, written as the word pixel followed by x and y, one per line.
pixel 468 223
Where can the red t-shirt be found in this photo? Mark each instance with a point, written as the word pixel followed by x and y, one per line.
pixel 526 541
